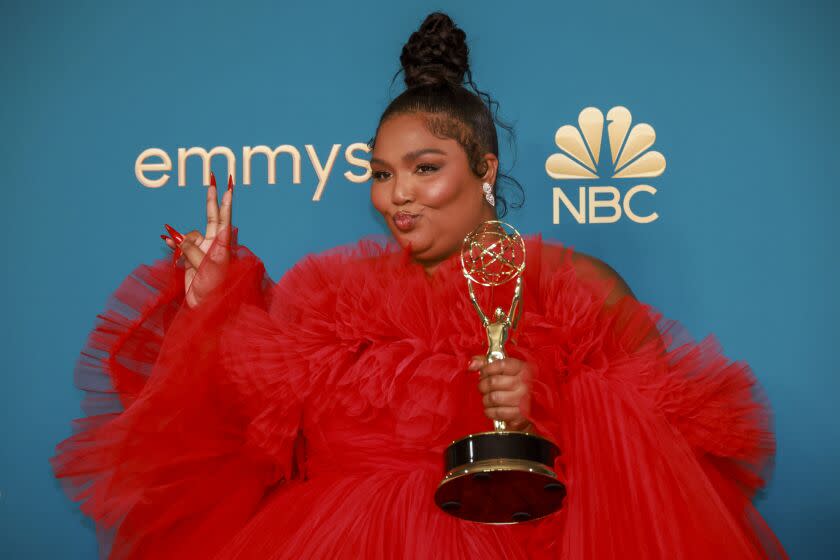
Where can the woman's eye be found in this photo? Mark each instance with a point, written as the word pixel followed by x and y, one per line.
pixel 423 168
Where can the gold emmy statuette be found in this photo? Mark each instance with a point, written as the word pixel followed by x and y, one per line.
pixel 500 476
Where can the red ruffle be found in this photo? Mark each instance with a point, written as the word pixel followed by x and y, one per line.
pixel 168 463
pixel 307 418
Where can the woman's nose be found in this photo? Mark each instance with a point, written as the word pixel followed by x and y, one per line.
pixel 403 191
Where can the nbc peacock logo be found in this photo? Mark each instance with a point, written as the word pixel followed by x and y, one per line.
pixel 581 159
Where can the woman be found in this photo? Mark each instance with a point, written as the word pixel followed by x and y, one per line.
pixel 232 417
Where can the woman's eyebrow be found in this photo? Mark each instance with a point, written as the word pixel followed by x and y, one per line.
pixel 412 155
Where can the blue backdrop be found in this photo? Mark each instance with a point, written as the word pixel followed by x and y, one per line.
pixel 742 96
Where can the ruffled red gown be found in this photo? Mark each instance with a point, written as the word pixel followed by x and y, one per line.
pixel 307 418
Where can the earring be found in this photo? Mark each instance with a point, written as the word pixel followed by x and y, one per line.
pixel 488 193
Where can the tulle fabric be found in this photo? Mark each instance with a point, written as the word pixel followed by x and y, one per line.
pixel 307 418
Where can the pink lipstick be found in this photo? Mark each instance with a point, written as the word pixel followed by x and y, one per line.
pixel 405 220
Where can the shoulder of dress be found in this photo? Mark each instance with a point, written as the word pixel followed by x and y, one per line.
pixel 547 257
pixel 556 263
pixel 593 270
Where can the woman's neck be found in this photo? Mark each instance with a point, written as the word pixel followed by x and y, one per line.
pixel 430 267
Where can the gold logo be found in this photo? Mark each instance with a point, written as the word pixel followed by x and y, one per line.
pixel 581 157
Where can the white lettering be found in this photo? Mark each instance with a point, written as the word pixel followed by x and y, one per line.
pixel 322 172
pixel 140 167
pixel 271 157
pixel 579 213
pixel 205 156
pixel 633 216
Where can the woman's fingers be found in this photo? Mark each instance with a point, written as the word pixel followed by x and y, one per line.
pixel 477 362
pixel 506 366
pixel 504 386
pixel 189 246
pixel 218 218
pixel 502 398
pixel 225 217
pixel 212 208
pixel 174 242
pixel 174 233
pixel 497 383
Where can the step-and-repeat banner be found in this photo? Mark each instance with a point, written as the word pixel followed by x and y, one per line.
pixel 691 147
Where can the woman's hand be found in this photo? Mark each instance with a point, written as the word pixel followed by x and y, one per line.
pixel 194 246
pixel 506 388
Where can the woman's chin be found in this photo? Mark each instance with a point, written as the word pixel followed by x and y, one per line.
pixel 406 238
pixel 418 246
pixel 422 247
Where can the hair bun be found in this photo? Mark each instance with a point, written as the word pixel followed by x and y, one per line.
pixel 436 53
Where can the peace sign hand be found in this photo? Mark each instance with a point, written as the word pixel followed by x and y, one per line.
pixel 194 246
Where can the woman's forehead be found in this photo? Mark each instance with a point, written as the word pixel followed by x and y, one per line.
pixel 407 137
pixel 405 129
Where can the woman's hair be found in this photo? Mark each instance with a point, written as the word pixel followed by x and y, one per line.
pixel 435 61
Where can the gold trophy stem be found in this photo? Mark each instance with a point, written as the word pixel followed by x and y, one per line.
pixel 498 330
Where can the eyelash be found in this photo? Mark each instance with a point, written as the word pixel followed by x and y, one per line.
pixel 377 174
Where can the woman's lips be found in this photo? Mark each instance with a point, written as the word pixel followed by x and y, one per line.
pixel 405 221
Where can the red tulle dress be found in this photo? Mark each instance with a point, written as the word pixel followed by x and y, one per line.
pixel 307 418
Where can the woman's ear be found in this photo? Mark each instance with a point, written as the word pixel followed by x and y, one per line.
pixel 492 163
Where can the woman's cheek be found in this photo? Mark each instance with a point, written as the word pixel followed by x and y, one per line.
pixel 440 192
pixel 378 198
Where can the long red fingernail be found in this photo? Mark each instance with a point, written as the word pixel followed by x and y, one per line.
pixel 174 233
pixel 212 179
pixel 164 237
pixel 230 182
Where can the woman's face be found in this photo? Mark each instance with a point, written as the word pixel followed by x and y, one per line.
pixel 424 188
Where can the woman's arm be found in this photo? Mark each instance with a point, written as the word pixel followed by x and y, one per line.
pixel 590 268
pixel 665 440
pixel 173 456
pixel 619 300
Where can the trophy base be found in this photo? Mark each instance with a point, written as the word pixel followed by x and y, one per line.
pixel 500 477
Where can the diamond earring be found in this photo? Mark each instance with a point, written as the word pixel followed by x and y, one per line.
pixel 488 193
